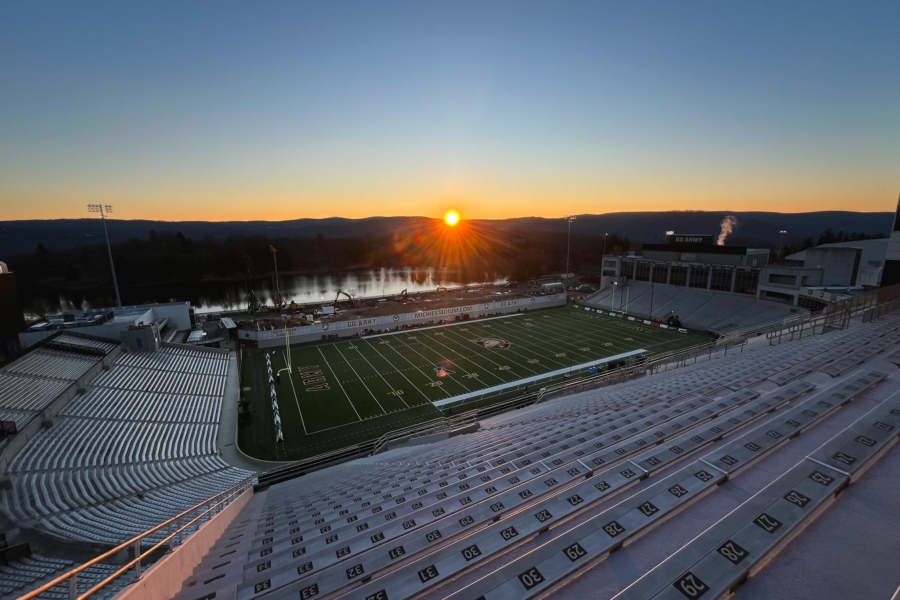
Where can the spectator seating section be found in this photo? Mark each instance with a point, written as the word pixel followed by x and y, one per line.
pixel 699 309
pixel 136 449
pixel 400 523
pixel 29 384
pixel 30 572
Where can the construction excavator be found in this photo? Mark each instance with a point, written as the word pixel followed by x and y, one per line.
pixel 442 290
pixel 353 301
pixel 402 296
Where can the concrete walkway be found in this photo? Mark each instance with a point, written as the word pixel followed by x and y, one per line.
pixel 226 441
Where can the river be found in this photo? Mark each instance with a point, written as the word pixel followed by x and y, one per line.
pixel 214 296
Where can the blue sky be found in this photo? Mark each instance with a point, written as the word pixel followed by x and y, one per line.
pixel 276 110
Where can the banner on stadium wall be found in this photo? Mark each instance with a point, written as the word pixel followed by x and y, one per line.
pixel 610 313
pixel 390 321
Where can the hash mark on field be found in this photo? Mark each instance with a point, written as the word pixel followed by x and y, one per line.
pixel 360 379
pixel 414 366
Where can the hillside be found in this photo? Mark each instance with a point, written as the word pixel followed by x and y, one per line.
pixel 753 227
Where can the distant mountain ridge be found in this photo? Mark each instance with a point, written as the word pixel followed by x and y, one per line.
pixel 752 227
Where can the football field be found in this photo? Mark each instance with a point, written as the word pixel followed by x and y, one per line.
pixel 336 393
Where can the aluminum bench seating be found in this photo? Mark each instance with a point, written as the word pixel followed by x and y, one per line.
pixel 591 541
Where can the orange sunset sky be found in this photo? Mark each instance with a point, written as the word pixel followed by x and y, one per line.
pixel 307 110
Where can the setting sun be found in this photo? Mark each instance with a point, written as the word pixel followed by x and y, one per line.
pixel 451 218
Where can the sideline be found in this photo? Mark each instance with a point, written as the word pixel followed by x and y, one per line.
pixel 453 324
pixel 533 378
pixel 226 437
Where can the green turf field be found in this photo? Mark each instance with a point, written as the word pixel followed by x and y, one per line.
pixel 340 392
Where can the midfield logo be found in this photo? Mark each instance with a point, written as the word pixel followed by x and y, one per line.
pixel 493 343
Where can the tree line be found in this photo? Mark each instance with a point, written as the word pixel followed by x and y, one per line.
pixel 472 253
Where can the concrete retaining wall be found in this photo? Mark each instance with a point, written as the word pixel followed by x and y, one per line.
pixel 311 333
pixel 163 580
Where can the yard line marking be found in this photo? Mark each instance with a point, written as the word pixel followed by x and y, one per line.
pixel 534 378
pixel 296 400
pixel 460 355
pixel 428 376
pixel 530 346
pixel 401 373
pixel 566 324
pixel 474 320
pixel 487 356
pixel 606 331
pixel 360 379
pixel 602 333
pixel 393 389
pixel 556 342
pixel 650 342
pixel 482 357
pixel 325 360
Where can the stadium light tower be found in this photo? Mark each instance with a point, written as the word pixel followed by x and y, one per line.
pixel 279 299
pixel 105 209
pixel 604 244
pixel 782 232
pixel 569 219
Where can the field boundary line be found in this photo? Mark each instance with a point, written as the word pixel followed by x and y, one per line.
pixel 455 323
pixel 296 399
pixel 527 380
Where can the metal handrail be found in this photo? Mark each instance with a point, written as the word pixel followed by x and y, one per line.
pixel 302 466
pixel 773 325
pixel 299 467
pixel 135 543
pixel 432 425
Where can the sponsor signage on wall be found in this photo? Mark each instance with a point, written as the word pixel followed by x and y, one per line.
pixel 391 321
pixel 690 239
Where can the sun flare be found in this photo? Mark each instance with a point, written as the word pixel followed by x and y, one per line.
pixel 451 218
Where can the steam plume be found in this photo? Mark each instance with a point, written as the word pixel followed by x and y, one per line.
pixel 728 224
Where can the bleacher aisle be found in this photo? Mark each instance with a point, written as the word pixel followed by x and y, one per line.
pixel 136 449
pixel 606 467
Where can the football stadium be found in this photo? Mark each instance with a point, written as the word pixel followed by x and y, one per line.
pixel 339 393
pixel 449 300
pixel 646 438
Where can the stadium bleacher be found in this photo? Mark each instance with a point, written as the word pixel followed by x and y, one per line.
pixel 28 572
pixel 136 449
pixel 418 521
pixel 719 312
pixel 679 484
pixel 30 384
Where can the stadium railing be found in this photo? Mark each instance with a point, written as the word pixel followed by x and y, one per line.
pixel 835 316
pixel 470 417
pixel 871 305
pixel 320 461
pixel 876 312
pixel 177 529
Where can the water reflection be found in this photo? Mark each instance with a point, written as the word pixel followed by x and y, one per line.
pixel 213 296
